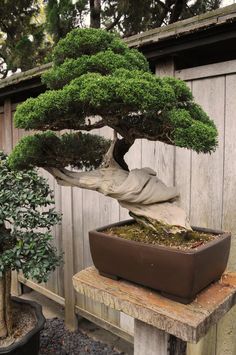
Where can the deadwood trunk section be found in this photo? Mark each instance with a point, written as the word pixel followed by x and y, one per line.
pixel 140 191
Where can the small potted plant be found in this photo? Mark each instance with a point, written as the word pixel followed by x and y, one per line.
pixel 97 81
pixel 26 216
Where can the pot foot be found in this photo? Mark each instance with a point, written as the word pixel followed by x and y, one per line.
pixel 113 277
pixel 178 299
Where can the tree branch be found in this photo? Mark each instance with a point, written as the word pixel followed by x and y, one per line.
pixel 114 23
pixel 176 12
pixel 92 126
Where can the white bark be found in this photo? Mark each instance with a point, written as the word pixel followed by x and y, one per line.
pixel 140 191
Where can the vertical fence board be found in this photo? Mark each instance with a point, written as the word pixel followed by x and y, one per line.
pixel 67 237
pixel 182 177
pixel 226 328
pixel 207 178
pixel 207 170
pixel 7 119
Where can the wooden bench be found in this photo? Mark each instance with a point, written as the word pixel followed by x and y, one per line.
pixel 160 324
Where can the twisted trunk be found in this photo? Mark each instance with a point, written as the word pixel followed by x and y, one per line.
pixel 139 190
pixel 5 305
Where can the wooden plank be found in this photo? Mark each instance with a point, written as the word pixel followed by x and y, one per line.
pixel 207 170
pixel 206 184
pixel 67 235
pixel 44 291
pixel 82 312
pixel 182 178
pixel 165 67
pixel 229 188
pixel 103 323
pixel 7 116
pixel 187 322
pixel 207 71
pixel 205 346
pixel 58 240
pixel 1 131
pixel 16 289
pixel 127 323
pixel 108 213
pixel 226 328
pixel 78 237
pixel 149 340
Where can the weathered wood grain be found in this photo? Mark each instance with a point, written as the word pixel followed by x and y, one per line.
pixel 207 169
pixel 67 233
pixel 149 340
pixel 207 71
pixel 7 124
pixel 187 322
pixel 205 346
pixel 226 328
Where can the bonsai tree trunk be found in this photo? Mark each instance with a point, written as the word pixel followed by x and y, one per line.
pixel 148 199
pixel 5 305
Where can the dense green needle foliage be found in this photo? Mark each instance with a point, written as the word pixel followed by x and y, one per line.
pixel 75 149
pixel 96 74
pixel 26 207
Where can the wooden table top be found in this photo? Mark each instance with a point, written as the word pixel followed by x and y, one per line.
pixel 187 322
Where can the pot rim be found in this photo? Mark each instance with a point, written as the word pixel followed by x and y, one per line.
pixel 223 235
pixel 40 320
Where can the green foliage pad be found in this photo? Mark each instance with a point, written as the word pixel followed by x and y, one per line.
pixel 96 74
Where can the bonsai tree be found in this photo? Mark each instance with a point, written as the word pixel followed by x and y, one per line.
pixel 97 81
pixel 26 204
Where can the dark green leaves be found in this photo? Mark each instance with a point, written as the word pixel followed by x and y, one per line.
pixel 96 74
pixel 84 151
pixel 26 204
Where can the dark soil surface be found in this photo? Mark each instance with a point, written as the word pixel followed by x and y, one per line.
pixel 184 240
pixel 56 340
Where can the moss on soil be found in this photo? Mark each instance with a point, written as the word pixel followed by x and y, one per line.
pixel 182 240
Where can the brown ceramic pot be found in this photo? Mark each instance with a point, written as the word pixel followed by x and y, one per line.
pixel 177 274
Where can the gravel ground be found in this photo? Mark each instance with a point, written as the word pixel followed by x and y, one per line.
pixel 56 340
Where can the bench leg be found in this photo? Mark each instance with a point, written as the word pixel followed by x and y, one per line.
pixel 149 340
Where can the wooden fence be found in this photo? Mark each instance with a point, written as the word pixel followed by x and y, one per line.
pixel 207 184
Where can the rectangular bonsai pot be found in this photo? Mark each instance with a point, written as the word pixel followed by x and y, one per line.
pixel 177 274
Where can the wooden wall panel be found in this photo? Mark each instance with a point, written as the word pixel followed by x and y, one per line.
pixel 207 170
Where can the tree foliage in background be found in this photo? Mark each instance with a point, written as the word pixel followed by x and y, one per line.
pixel 21 36
pixel 64 15
pixel 23 31
pixel 128 17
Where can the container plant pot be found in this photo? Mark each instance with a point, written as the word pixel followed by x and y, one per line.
pixel 177 274
pixel 30 343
